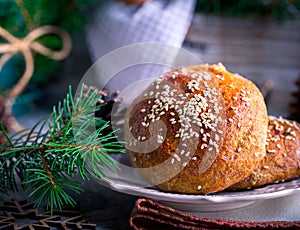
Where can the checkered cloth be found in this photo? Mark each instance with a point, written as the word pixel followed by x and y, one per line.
pixel 117 24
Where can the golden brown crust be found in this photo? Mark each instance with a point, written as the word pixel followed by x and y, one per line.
pixel 282 160
pixel 216 124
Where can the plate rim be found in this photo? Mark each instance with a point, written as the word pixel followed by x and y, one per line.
pixel 214 198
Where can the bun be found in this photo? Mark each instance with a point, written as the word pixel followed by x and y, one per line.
pixel 282 160
pixel 208 126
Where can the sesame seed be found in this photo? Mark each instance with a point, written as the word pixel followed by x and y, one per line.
pixel 160 138
pixel 194 111
pixel 155 106
pixel 245 99
pixel 266 167
pixel 203 146
pixel 177 157
pixel 184 164
pixel 257 154
pixel 194 158
pixel 161 113
pixel 288 137
pixel 217 67
pixel 220 77
pixel 184 71
pixel 206 76
pixel 293 133
pixel 294 124
pixel 239 149
pixel 143 110
pixel 194 75
pixel 199 187
pixel 271 151
pixel 172 161
pixel 193 85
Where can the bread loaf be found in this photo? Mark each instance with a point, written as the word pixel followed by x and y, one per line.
pixel 282 160
pixel 198 130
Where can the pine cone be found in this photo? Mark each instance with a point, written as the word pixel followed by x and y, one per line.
pixel 5 118
pixel 295 107
pixel 107 102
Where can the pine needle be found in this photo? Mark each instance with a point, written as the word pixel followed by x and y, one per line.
pixel 65 145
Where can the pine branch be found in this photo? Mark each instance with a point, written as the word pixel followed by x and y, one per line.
pixel 69 143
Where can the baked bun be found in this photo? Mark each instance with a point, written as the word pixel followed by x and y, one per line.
pixel 282 160
pixel 197 130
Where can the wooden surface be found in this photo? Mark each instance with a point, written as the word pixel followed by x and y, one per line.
pixel 258 49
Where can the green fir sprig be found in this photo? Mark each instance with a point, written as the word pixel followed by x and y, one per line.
pixel 71 142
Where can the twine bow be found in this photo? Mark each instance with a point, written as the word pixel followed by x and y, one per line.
pixel 26 46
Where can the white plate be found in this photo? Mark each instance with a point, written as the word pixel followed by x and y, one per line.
pixel 129 182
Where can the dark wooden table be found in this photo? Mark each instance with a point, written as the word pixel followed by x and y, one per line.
pixel 106 208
